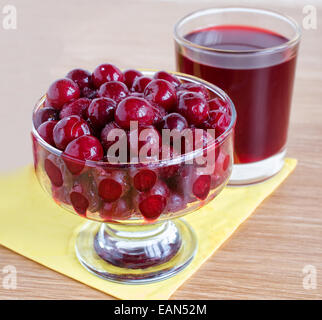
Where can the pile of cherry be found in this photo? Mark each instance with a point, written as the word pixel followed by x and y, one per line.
pixel 82 108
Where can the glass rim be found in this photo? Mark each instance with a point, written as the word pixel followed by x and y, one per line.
pixel 293 41
pixel 160 162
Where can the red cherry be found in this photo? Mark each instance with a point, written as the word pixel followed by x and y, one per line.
pixel 68 129
pixel 147 137
pixel 194 87
pixel 218 120
pixel 168 171
pixel 140 84
pixel 106 72
pixel 101 111
pixel 118 210
pixel 79 202
pixel 134 109
pixel 194 108
pixel 53 173
pixel 159 114
pixel 45 130
pixel 83 196
pixel 78 108
pixel 130 75
pixel 199 139
pixel 152 206
pixel 162 93
pixel 152 203
pixel 174 121
pixel 168 77
pixel 201 186
pixel 89 93
pixel 62 91
pixel 112 185
pixel 81 77
pixel 83 148
pixel 105 132
pixel 55 169
pixel 222 162
pixel 143 179
pixel 43 115
pixel 182 183
pixel 114 90
pixel 218 104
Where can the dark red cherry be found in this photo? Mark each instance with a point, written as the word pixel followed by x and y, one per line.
pixel 201 186
pixel 105 133
pixel 117 210
pixel 114 90
pixel 153 203
pixel 194 108
pixel 45 130
pixel 43 115
pixel 62 91
pixel 222 162
pixel 218 104
pixel 140 84
pixel 68 129
pixel 54 168
pixel 101 111
pixel 81 77
pixel 218 120
pixel 89 93
pixel 147 140
pixel 78 200
pixel 78 108
pixel 83 196
pixel 165 170
pixel 134 109
pixel 168 77
pixel 198 139
pixel 143 179
pixel 130 75
pixel 151 207
pixel 106 72
pixel 182 183
pixel 159 114
pixel 174 121
pixel 83 148
pixel 194 87
pixel 112 185
pixel 162 93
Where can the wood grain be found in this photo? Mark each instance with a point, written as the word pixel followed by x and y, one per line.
pixel 265 257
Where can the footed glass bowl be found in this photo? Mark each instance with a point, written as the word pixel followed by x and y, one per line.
pixel 132 236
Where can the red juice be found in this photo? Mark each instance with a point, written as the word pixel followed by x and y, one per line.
pixel 260 86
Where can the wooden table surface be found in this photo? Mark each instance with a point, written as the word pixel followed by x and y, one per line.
pixel 265 258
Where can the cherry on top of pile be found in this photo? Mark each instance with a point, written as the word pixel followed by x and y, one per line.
pixel 81 109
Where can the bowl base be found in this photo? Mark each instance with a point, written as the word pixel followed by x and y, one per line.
pixel 136 254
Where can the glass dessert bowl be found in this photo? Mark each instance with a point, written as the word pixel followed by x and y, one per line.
pixel 134 233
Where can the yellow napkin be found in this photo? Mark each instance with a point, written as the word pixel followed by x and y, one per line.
pixel 32 225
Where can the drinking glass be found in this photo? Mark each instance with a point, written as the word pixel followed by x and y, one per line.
pixel 251 55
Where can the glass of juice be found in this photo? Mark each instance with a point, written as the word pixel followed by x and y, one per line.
pixel 251 55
